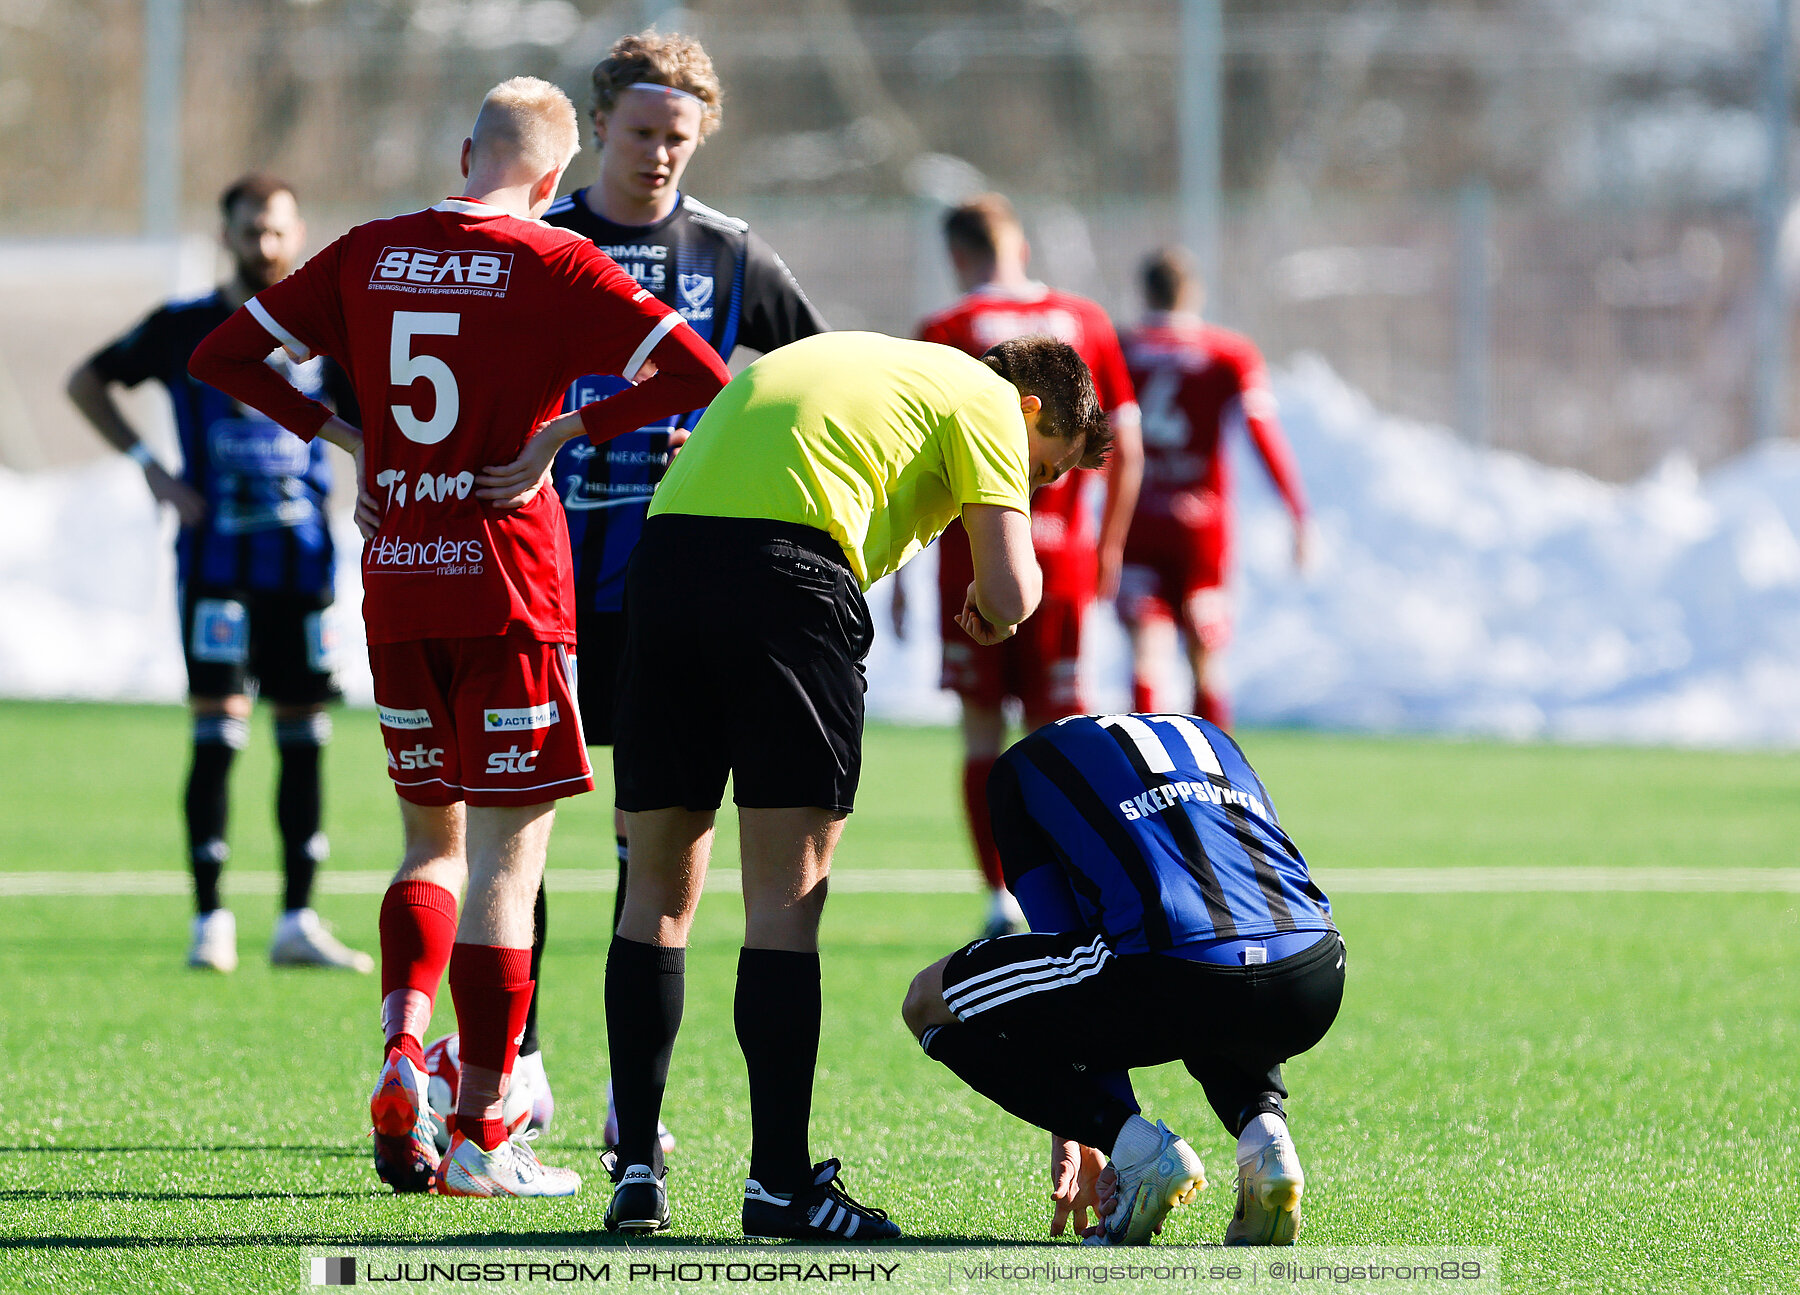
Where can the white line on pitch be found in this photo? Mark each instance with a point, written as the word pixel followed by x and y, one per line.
pixel 904 881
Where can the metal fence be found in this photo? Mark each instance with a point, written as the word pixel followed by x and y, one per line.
pixel 1602 323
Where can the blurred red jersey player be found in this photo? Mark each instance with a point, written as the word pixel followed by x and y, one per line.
pixel 1040 665
pixel 1192 380
pixel 461 327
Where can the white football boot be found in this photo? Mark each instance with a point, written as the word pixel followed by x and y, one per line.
pixel 302 940
pixel 510 1169
pixel 1270 1185
pixel 214 943
pixel 609 1132
pixel 1157 1171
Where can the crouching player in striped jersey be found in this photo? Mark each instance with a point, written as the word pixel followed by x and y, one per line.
pixel 1171 920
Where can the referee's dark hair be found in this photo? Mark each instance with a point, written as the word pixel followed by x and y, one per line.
pixel 258 186
pixel 1055 373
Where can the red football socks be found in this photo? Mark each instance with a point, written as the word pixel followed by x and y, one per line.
pixel 491 988
pixel 1143 697
pixel 975 776
pixel 418 926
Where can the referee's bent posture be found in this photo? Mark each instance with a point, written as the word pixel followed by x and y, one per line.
pixel 821 468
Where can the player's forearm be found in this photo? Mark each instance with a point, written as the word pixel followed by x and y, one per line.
pixel 1009 597
pixel 1008 582
pixel 87 391
pixel 341 434
pixel 1278 458
pixel 1124 479
pixel 689 373
pixel 232 359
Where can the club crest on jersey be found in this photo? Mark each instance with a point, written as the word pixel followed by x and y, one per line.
pixel 439 272
pixel 696 295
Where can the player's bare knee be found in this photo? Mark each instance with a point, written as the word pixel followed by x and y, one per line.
pixel 924 1004
pixel 237 705
pixel 434 849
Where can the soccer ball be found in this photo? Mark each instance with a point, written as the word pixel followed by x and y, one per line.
pixel 443 1069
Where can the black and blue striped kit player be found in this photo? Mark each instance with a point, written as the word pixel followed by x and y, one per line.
pixel 265 528
pixel 1172 919
pixel 733 289
pixel 1155 830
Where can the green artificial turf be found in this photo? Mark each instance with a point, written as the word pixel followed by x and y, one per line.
pixel 1600 1084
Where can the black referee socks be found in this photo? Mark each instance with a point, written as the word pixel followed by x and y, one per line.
pixel 777 1015
pixel 646 986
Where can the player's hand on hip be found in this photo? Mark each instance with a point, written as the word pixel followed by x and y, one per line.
pixel 515 484
pixel 189 504
pixel 1074 1171
pixel 978 627
pixel 368 507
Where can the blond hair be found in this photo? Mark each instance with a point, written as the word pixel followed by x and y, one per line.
pixel 527 120
pixel 673 60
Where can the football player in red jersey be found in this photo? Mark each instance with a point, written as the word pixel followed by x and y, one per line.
pixel 1192 379
pixel 1040 665
pixel 462 326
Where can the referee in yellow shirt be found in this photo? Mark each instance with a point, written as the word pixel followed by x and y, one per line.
pixel 821 468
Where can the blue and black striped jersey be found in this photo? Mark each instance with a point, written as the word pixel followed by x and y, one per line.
pixel 734 291
pixel 1159 828
pixel 265 527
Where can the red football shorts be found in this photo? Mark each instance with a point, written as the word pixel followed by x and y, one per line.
pixel 490 721
pixel 1040 665
pixel 1174 566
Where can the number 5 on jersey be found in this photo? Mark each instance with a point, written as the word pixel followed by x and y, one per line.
pixel 405 368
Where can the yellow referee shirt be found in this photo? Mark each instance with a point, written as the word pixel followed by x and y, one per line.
pixel 875 440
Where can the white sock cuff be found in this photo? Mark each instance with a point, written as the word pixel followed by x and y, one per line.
pixel 1138 1141
pixel 1259 1135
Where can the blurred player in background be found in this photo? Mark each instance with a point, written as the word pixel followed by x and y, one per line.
pixel 1171 920
pixel 253 569
pixel 464 325
pixel 1041 664
pixel 822 467
pixel 1193 379
pixel 656 98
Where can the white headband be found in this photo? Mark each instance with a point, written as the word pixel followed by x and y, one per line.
pixel 666 89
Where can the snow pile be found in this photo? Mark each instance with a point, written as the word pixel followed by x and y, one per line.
pixel 1450 589
pixel 1456 589
pixel 87 590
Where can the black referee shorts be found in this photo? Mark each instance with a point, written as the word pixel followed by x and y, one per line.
pixel 1070 996
pixel 600 643
pixel 744 650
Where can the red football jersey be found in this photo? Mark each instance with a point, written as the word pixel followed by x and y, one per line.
pixel 1190 377
pixel 461 328
pixel 1061 531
